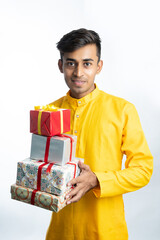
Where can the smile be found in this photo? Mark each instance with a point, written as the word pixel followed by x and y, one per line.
pixel 78 82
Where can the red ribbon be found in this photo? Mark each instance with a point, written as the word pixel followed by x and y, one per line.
pixel 75 168
pixel 71 140
pixel 49 167
pixel 48 145
pixel 42 165
pixel 47 149
pixel 33 196
pixel 39 176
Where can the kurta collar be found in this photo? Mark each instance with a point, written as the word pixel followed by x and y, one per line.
pixel 82 101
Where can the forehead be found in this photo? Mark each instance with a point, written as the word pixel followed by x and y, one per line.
pixel 87 52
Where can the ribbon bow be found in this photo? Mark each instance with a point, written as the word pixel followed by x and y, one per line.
pixel 48 107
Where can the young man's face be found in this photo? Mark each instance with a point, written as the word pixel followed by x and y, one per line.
pixel 80 68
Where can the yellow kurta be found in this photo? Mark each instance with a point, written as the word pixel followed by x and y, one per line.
pixel 106 127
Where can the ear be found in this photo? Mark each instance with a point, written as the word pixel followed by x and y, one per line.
pixel 99 66
pixel 60 65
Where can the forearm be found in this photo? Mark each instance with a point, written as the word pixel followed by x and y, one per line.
pixel 112 183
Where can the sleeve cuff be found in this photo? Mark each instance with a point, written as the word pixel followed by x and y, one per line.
pixel 97 190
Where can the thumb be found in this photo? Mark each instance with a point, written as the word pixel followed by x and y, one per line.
pixel 82 166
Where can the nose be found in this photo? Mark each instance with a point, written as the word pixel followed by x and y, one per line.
pixel 78 71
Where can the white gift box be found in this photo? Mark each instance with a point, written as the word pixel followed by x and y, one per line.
pixel 54 182
pixel 56 149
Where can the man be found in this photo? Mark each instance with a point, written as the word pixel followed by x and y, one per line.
pixel 106 127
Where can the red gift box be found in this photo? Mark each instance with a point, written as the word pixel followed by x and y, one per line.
pixel 49 123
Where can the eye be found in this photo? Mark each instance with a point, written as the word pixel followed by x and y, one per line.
pixel 70 64
pixel 87 64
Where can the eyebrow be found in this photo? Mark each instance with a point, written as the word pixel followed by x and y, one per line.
pixel 84 60
pixel 88 59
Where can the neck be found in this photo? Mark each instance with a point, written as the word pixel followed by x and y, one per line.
pixel 81 95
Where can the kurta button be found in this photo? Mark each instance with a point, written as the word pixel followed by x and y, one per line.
pixel 75 131
pixel 77 116
pixel 79 102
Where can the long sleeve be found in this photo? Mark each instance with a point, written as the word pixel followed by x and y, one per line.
pixel 138 164
pixel 106 128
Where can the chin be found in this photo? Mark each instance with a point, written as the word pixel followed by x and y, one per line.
pixel 78 90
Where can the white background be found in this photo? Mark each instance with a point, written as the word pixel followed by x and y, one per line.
pixel 29 31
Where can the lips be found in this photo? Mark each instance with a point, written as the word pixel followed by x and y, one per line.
pixel 78 82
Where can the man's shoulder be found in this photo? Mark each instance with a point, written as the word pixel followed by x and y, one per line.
pixel 115 105
pixel 112 99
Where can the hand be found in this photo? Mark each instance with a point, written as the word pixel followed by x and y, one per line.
pixel 82 184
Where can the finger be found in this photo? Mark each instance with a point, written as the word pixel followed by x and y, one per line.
pixel 73 181
pixel 76 198
pixel 83 166
pixel 67 197
pixel 74 191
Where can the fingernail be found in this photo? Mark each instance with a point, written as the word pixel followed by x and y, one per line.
pixel 67 196
pixel 68 202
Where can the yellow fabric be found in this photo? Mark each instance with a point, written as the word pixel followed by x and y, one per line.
pixel 106 127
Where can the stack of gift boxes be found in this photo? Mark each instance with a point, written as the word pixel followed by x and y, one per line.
pixel 42 179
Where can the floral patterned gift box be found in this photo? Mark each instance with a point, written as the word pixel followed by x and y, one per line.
pixel 46 177
pixel 38 198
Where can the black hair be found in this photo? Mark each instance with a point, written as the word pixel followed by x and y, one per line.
pixel 77 39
